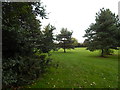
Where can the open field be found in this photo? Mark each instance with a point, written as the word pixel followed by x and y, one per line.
pixel 80 68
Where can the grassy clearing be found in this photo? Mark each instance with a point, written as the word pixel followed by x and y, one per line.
pixel 80 68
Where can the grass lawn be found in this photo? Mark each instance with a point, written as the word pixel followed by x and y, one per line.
pixel 80 68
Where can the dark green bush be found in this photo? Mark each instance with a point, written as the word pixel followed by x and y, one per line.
pixel 21 38
pixel 108 51
pixel 23 70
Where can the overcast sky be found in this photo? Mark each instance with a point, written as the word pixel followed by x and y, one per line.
pixel 76 15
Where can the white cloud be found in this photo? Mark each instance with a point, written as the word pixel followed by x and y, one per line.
pixel 76 15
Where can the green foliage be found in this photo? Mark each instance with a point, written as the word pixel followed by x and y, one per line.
pixel 81 45
pixel 102 34
pixel 65 39
pixel 23 70
pixel 21 35
pixel 75 42
pixel 20 27
pixel 108 52
pixel 47 39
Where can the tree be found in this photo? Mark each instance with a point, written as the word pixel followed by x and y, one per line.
pixel 85 43
pixel 65 39
pixel 20 37
pixel 20 27
pixel 75 42
pixel 47 39
pixel 101 35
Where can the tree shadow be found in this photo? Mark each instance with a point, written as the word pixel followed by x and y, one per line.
pixel 64 52
pixel 107 57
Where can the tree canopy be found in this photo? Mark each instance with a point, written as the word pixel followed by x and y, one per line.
pixel 21 37
pixel 102 34
pixel 47 39
pixel 75 42
pixel 20 27
pixel 65 39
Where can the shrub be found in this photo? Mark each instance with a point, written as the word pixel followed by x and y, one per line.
pixel 108 52
pixel 23 70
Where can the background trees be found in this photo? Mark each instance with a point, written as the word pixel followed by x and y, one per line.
pixel 75 42
pixel 65 39
pixel 102 34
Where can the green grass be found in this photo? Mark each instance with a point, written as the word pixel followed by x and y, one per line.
pixel 80 68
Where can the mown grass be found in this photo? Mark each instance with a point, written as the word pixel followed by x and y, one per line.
pixel 80 68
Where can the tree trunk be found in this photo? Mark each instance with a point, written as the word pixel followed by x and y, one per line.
pixel 102 53
pixel 64 47
pixel 64 50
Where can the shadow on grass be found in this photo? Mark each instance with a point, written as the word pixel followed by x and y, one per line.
pixel 61 52
pixel 107 57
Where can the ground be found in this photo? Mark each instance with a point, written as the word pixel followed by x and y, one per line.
pixel 80 68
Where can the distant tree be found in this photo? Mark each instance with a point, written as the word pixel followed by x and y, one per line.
pixel 102 34
pixel 75 42
pixel 85 43
pixel 80 45
pixel 47 39
pixel 65 39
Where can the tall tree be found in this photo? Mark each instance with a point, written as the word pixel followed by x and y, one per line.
pixel 65 39
pixel 20 37
pixel 101 35
pixel 20 27
pixel 47 39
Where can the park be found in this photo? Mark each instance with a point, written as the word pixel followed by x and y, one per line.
pixel 79 68
pixel 35 55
